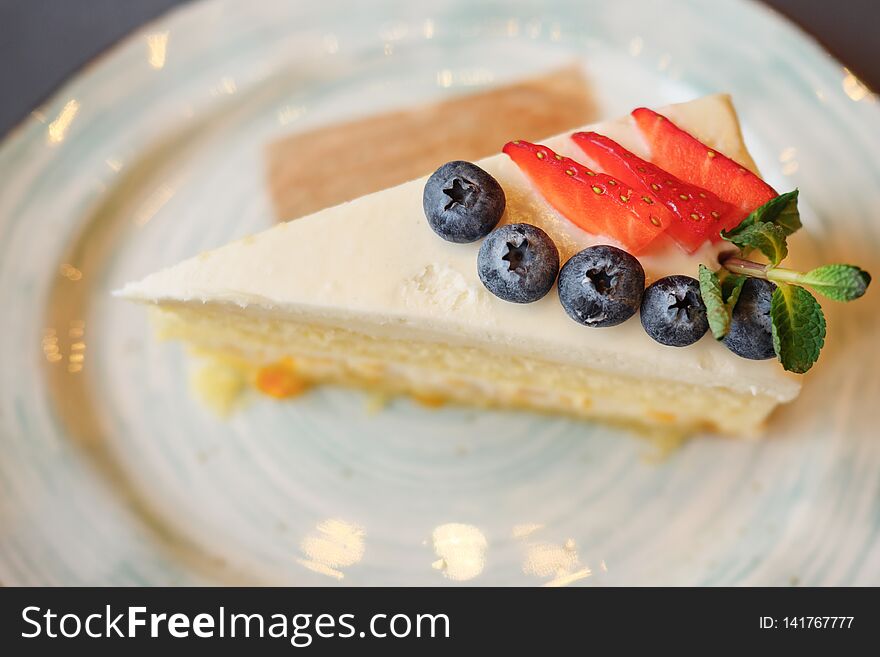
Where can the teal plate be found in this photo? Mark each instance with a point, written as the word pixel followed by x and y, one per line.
pixel 112 473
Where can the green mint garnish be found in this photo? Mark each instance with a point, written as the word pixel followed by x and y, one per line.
pixel 768 238
pixel 767 227
pixel 838 282
pixel 798 327
pixel 731 286
pixel 716 312
pixel 780 211
pixel 719 297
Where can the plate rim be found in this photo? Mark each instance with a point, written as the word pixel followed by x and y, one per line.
pixel 178 12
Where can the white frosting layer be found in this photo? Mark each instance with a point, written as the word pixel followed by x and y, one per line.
pixel 374 265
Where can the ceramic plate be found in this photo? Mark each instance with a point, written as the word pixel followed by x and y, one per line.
pixel 112 473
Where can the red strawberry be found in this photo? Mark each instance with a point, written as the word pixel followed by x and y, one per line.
pixel 594 201
pixel 700 214
pixel 685 156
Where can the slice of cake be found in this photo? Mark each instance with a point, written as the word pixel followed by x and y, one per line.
pixel 311 170
pixel 366 293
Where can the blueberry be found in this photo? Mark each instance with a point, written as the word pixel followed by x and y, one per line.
pixel 673 312
pixel 750 334
pixel 518 263
pixel 462 202
pixel 601 286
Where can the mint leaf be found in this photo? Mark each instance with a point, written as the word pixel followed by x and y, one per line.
pixel 731 286
pixel 768 238
pixel 780 211
pixel 720 297
pixel 783 212
pixel 717 312
pixel 798 327
pixel 838 282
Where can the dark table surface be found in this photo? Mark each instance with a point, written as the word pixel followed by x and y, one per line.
pixel 42 42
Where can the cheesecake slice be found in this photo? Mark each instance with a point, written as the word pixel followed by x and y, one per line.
pixel 303 169
pixel 366 294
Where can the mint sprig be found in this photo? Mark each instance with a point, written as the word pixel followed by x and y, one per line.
pixel 838 282
pixel 798 324
pixel 716 312
pixel 731 286
pixel 768 238
pixel 798 327
pixel 780 211
pixel 719 297
pixel 767 227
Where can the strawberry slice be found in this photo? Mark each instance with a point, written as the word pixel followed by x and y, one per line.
pixel 597 202
pixel 683 155
pixel 700 214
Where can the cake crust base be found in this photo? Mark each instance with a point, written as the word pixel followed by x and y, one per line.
pixel 436 374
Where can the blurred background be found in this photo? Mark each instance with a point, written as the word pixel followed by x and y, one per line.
pixel 42 42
